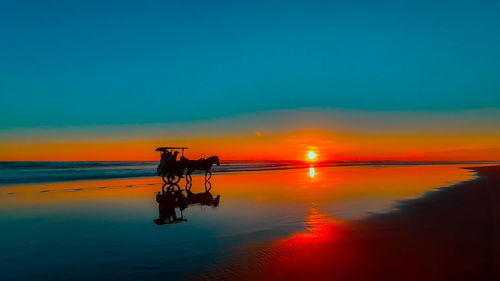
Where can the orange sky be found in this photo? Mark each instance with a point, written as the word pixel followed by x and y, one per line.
pixel 287 146
pixel 288 135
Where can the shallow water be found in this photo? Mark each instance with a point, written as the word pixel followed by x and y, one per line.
pixel 42 172
pixel 105 230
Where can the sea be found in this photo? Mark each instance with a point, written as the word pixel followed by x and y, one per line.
pixel 22 172
pixel 99 220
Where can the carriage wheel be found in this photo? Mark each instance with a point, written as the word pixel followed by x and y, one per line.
pixel 208 175
pixel 164 178
pixel 174 179
pixel 170 178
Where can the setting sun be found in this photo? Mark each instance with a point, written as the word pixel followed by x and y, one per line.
pixel 311 155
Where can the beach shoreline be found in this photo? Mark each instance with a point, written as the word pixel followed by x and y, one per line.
pixel 451 233
pixel 270 225
pixel 36 172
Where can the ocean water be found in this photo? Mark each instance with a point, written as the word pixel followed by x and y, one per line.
pixel 105 228
pixel 37 172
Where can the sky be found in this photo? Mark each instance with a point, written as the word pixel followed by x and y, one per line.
pixel 245 79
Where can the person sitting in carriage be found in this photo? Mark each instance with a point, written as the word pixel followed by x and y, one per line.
pixel 167 161
pixel 173 158
pixel 163 161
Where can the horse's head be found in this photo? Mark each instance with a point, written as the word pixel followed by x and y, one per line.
pixel 216 160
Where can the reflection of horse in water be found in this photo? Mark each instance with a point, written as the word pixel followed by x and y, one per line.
pixel 202 198
pixel 173 197
pixel 202 165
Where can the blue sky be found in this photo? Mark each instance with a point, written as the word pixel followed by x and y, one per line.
pixel 77 63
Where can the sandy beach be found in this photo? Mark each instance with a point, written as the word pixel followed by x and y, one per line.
pixel 324 223
pixel 448 234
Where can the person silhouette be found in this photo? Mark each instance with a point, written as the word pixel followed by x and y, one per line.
pixel 168 155
pixel 174 156
pixel 163 162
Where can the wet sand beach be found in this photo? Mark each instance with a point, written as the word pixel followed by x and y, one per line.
pixel 322 223
pixel 447 234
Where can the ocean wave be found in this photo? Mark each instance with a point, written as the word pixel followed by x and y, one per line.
pixel 38 172
pixel 41 172
pixel 70 165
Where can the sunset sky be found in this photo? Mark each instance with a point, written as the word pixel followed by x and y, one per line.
pixel 349 80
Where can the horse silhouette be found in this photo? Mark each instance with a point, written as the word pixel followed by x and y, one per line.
pixel 203 198
pixel 202 165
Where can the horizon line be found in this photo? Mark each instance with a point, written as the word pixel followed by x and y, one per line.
pixel 283 160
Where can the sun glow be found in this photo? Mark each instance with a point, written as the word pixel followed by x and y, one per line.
pixel 311 155
pixel 312 172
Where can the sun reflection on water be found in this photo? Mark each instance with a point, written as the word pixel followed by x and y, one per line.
pixel 312 172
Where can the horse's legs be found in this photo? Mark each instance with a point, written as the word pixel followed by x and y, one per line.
pixel 188 177
pixel 208 186
pixel 209 174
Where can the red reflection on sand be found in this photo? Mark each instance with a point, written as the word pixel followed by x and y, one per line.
pixel 308 255
pixel 448 235
pixel 318 224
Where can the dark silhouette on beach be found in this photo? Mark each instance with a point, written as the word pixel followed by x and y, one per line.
pixel 172 197
pixel 168 201
pixel 202 165
pixel 203 198
pixel 172 170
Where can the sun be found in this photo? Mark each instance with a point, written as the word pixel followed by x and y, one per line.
pixel 311 155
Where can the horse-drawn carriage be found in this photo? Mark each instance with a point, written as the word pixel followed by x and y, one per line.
pixel 172 170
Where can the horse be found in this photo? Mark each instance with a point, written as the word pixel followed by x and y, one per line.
pixel 202 165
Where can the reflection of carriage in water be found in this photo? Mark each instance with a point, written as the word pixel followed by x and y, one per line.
pixel 172 197
pixel 172 170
